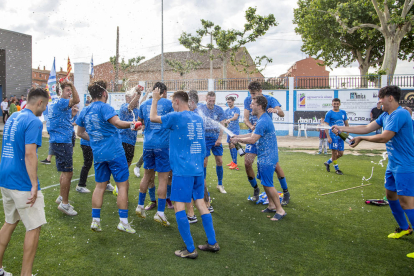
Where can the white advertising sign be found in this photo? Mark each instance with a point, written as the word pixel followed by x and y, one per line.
pixel 358 99
pixel 314 100
pixel 116 100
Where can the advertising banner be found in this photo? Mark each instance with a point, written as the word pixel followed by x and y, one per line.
pixel 357 100
pixel 407 98
pixel 314 100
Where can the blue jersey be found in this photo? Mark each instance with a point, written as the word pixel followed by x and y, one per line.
pixel 267 152
pixel 401 147
pixel 212 119
pixel 188 145
pixel 154 136
pixel 271 103
pixel 229 113
pixel 335 118
pixel 21 129
pixel 59 115
pixel 104 138
pixel 127 135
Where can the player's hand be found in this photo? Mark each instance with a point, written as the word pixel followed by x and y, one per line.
pixel 253 127
pixel 356 141
pixel 329 140
pixel 136 125
pixel 139 89
pixel 33 196
pixel 234 139
pixel 218 143
pixel 75 110
pixel 336 129
pixel 272 110
pixel 156 94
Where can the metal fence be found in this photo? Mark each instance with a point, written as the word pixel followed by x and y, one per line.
pixel 332 82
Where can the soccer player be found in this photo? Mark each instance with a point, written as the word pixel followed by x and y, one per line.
pixel 337 117
pixel 398 138
pixel 128 112
pixel 22 198
pixel 264 137
pixel 187 154
pixel 156 155
pixel 232 120
pixel 61 133
pixel 213 115
pixel 273 106
pixel 98 123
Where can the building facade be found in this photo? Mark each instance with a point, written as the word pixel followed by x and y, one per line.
pixel 15 63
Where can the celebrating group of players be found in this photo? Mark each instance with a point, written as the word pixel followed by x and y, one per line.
pixel 179 135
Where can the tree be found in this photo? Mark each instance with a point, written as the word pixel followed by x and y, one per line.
pixel 324 38
pixel 133 62
pixel 394 20
pixel 227 42
pixel 178 67
pixel 247 64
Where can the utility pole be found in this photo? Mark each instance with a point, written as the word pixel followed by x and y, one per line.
pixel 162 40
pixel 211 54
pixel 117 57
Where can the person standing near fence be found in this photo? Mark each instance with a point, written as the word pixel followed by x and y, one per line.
pixel 5 109
pixel 232 120
pixel 323 139
pixel 375 113
pixel 337 117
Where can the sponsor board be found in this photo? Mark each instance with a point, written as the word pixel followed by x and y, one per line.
pixel 358 117
pixel 314 100
pixel 308 117
pixel 407 98
pixel 358 99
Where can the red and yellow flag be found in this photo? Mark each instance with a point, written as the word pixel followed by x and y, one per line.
pixel 69 69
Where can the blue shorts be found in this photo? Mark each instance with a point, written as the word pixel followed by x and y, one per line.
pixel 64 156
pixel 157 159
pixel 117 167
pixel 337 143
pixel 251 148
pixel 265 174
pixel 401 183
pixel 236 132
pixel 185 188
pixel 210 145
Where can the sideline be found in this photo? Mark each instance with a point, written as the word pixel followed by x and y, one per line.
pixel 54 185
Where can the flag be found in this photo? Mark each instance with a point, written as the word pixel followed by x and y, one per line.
pixel 51 83
pixel 92 73
pixel 69 69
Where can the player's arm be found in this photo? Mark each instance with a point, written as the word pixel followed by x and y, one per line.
pixel 81 132
pixel 30 159
pixel 134 102
pixel 363 129
pixel 278 110
pixel 379 138
pixel 246 140
pixel 75 96
pixel 118 123
pixel 346 123
pixel 246 119
pixel 234 118
pixel 156 96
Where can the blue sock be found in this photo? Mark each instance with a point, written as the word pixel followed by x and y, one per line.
pixel 168 191
pixel 329 161
pixel 233 153
pixel 161 204
pixel 205 173
pixel 253 182
pixel 123 213
pixel 184 229
pixel 398 213
pixel 151 192
pixel 209 228
pixel 283 183
pixel 141 198
pixel 410 215
pixel 219 171
pixel 336 167
pixel 96 212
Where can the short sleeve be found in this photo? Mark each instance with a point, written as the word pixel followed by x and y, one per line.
pixel 167 120
pixel 108 112
pixel 220 113
pixel 328 117
pixel 140 115
pixel 237 111
pixel 63 104
pixel 395 122
pixel 273 102
pixel 247 104
pixel 80 120
pixel 346 116
pixel 33 133
pixel 380 119
pixel 260 128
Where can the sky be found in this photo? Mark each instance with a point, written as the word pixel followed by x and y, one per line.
pixel 80 29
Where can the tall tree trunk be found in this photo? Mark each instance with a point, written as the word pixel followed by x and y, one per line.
pixel 363 70
pixel 392 46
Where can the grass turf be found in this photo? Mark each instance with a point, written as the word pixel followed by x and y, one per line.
pixel 336 234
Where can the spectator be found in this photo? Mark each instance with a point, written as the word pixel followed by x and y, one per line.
pixel 323 139
pixel 5 109
pixel 24 102
pixel 88 100
pixel 375 113
pixel 12 107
